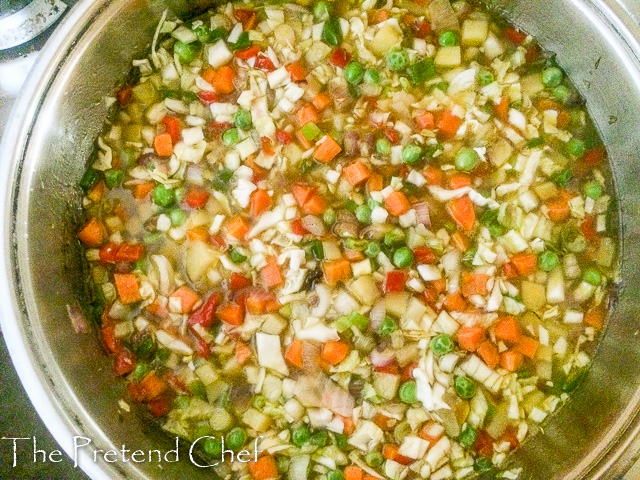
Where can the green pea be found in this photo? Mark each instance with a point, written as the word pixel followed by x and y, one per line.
pixel 371 76
pixel 182 401
pixel 592 276
pixel 113 178
pixel 448 38
pixel 319 438
pixel 213 447
pixel 372 250
pixel 89 179
pixel 552 76
pixel 561 93
pixel 259 402
pixel 593 190
pixel 383 146
pixel 441 344
pixel 351 205
pixel 394 237
pixel 548 260
pixel 496 230
pixel 374 459
pixel 142 368
pixel 236 438
pixel 408 392
pixel 203 33
pixel 329 216
pixel 177 216
pixel 230 137
pixel 400 431
pixel 237 256
pixel 397 60
pixel 466 159
pixel 242 119
pixel 388 326
pixel 562 177
pixel 202 431
pixel 363 214
pixel 335 475
pixel 321 11
pixel 354 72
pixel 485 77
pixel 372 203
pixel 468 437
pixel 575 147
pixel 300 436
pixel 332 32
pixel 342 441
pixel 411 153
pixel 186 52
pixel 402 257
pixel 464 387
pixel 163 196
pixel 421 71
pixel 197 389
pixel 482 464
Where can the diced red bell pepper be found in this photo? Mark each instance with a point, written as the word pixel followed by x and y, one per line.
pixel 207 98
pixel 204 315
pixel 264 63
pixel 196 197
pixel 125 363
pixel 392 135
pixel 340 57
pixel 124 95
pixel 238 282
pixel 160 406
pixel 395 281
pixel 284 137
pixel 109 338
pixel 297 228
pixel 424 255
pixel 172 127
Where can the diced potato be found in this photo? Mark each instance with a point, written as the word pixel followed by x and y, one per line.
pixel 145 93
pixel 221 420
pixel 386 384
pixel 474 32
pixel 206 374
pixel 331 250
pixel 534 295
pixel 386 38
pixel 216 389
pixel 132 132
pixel 274 324
pixel 256 420
pixel 448 57
pixel 365 289
pixel 293 153
pixel 199 258
pixel 500 152
pixel 396 303
pixel 531 84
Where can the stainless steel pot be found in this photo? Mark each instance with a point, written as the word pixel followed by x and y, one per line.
pixel 43 155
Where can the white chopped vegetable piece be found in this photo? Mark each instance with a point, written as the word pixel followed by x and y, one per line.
pixel 243 191
pixel 573 316
pixel 379 215
pixel 446 323
pixel 367 436
pixel 172 343
pixel 246 148
pixel 191 136
pixel 555 286
pixel 270 353
pixel 416 178
pixel 278 77
pixel 219 54
pixel 429 272
pixel 413 447
pixel 514 242
pixel 317 331
pixel 438 452
pixel 464 80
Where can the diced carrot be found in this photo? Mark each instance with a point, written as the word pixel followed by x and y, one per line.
pixel 511 360
pixel 316 205
pixel 508 329
pixel 353 472
pixel 502 109
pixel 124 95
pixel 127 287
pixel 525 263
pixel 397 203
pixel 431 432
pixel 264 469
pixel 297 228
pixel 433 175
pixel 242 353
pixel 223 80
pixel 462 211
pixel 378 16
pixel 293 355
pixel 209 75
pixel 564 119
pixel 334 352
pixel 459 180
pixel 198 234
pixel 321 101
pixel 247 17
pixel 448 124
pixel 109 338
pixel 511 435
pixel 593 156
pixel 489 353
pixel 261 301
pixel 439 285
pixel 196 197
pixel 97 192
pixel 426 121
pixel 297 72
pixel 460 241
pixel 172 127
pixel 588 228
pixel 384 422
pixel 349 424
pixel 336 271
pixel 558 207
pixel 368 476
pixel 474 283
pixel 454 302
pixel 470 337
pixel 595 317
pixel 247 53
pixel 392 135
pixel 356 173
pixel 390 452
pixel 237 227
pixel 152 386
pixel 302 192
pixel 509 270
pixel 188 298
pixel 514 36
pixel 306 114
pixel 375 183
pixel 93 233
pixel 327 149
pixel 231 313
pixel 259 202
pixel 141 190
pixel 163 144
pixel 527 346
pixel 270 274
pixel 424 255
pixel 484 444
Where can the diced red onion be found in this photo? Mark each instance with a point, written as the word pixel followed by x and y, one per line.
pixel 314 225
pixel 78 320
pixel 376 315
pixel 350 143
pixel 381 359
pixel 422 213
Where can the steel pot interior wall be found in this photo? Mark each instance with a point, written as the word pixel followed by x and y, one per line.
pixel 62 113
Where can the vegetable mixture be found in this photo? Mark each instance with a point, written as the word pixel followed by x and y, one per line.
pixel 375 235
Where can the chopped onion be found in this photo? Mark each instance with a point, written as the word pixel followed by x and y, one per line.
pixel 422 213
pixel 78 320
pixel 376 315
pixel 381 359
pixel 194 174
